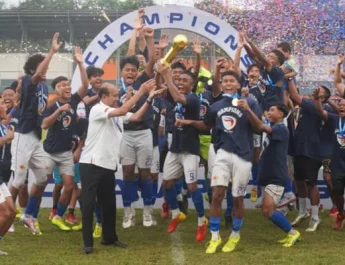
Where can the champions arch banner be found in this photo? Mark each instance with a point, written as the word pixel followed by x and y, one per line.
pixel 161 17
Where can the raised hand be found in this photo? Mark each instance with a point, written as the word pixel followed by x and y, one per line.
pixel 149 32
pixel 341 59
pixel 78 55
pixel 242 103
pixel 55 43
pixel 138 23
pixel 66 107
pixel 162 69
pixel 316 94
pixel 220 62
pixel 197 47
pixel 148 86
pixel 163 41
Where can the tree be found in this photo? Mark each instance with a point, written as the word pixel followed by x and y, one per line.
pixel 48 4
pixel 115 4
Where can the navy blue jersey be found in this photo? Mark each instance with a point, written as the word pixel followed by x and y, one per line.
pixel 186 138
pixel 90 93
pixel 80 133
pixel 274 93
pixel 206 100
pixel 307 136
pixel 338 157
pixel 232 128
pixel 170 115
pixel 158 105
pixel 273 161
pixel 147 120
pixel 291 128
pixel 5 150
pixel 327 135
pixel 33 102
pixel 60 135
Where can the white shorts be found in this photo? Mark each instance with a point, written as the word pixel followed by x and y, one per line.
pixel 256 140
pixel 63 161
pixel 228 168
pixel 211 160
pixel 169 140
pixel 155 161
pixel 27 152
pixel 178 163
pixel 137 148
pixel 4 193
pixel 275 191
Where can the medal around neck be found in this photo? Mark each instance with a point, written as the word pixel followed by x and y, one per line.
pixel 235 102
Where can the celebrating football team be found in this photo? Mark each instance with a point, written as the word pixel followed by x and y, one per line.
pixel 238 125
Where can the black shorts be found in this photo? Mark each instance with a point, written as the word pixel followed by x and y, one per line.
pixel 6 174
pixel 338 181
pixel 326 163
pixel 307 169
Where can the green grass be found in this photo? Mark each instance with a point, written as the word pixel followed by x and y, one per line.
pixel 258 245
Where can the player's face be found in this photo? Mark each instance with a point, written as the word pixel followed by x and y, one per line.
pixel 342 108
pixel 156 51
pixel 175 74
pixel 64 89
pixel 254 74
pixel 96 81
pixel 129 73
pixel 286 54
pixel 274 115
pixel 322 94
pixel 8 96
pixel 230 85
pixel 273 59
pixel 141 59
pixel 3 109
pixel 185 84
pixel 245 92
pixel 113 97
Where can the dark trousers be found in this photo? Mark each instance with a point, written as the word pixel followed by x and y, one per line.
pixel 98 182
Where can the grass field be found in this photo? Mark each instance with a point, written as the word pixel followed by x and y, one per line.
pixel 154 246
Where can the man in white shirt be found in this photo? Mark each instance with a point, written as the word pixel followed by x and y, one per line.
pixel 101 156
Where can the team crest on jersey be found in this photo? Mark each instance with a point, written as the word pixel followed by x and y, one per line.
pixel 203 110
pixel 229 122
pixel 341 140
pixel 41 107
pixel 66 121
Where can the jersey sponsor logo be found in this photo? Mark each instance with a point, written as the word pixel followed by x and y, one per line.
pixel 203 110
pixel 229 122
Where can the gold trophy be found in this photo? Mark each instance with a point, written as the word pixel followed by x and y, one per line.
pixel 180 42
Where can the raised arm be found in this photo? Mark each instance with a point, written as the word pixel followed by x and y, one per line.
pixel 259 55
pixel 78 58
pixel 175 94
pixel 338 82
pixel 334 106
pixel 199 125
pixel 294 96
pixel 137 27
pixel 197 51
pixel 149 33
pixel 216 90
pixel 43 67
pixel 237 58
pixel 163 44
pixel 318 104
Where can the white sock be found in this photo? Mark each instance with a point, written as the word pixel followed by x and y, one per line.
pixel 302 205
pixel 175 213
pixel 215 235
pixel 201 221
pixel 235 234
pixel 147 209
pixel 184 192
pixel 127 210
pixel 292 232
pixel 315 212
pixel 179 197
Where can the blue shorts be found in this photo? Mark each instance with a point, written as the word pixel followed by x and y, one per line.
pixel 57 176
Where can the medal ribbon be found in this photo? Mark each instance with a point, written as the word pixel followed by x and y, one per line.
pixel 341 128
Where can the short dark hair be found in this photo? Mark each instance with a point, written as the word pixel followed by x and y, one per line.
pixel 103 91
pixel 129 60
pixel 280 55
pixel 94 71
pixel 328 92
pixel 178 64
pixel 10 88
pixel 282 108
pixel 285 46
pixel 14 85
pixel 58 80
pixel 251 67
pixel 232 73
pixel 32 63
pixel 187 72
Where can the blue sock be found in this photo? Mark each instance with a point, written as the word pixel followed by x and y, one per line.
pixel 134 190
pixel 237 224
pixel 178 186
pixel 288 187
pixel 32 205
pixel 209 193
pixel 170 198
pixel 98 213
pixel 61 209
pixel 155 192
pixel 214 224
pixel 184 184
pixel 198 201
pixel 281 221
pixel 127 193
pixel 255 172
pixel 37 209
pixel 147 191
pixel 259 191
pixel 229 202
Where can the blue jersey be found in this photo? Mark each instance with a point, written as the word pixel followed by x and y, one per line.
pixel 338 157
pixel 147 120
pixel 327 135
pixel 273 161
pixel 232 128
pixel 274 93
pixel 33 102
pixel 60 135
pixel 158 105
